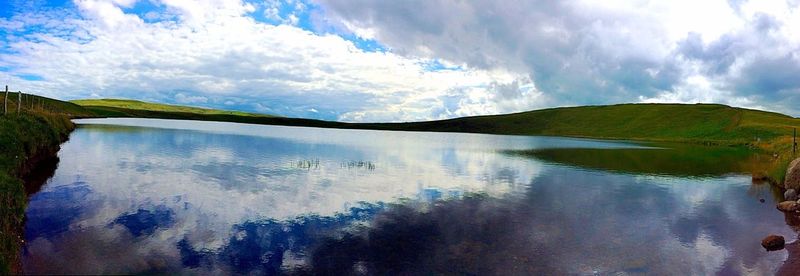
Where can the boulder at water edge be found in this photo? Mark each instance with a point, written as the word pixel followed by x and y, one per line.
pixel 793 175
pixel 790 194
pixel 773 242
pixel 788 206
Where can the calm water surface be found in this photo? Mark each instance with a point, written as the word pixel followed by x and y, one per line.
pixel 164 196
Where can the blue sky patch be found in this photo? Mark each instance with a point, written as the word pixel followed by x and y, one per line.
pixel 296 13
pixel 366 45
pixel 30 77
pixel 436 65
pixel 149 11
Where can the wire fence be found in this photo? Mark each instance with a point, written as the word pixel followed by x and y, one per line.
pixel 15 103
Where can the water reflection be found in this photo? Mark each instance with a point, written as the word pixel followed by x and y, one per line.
pixel 264 200
pixel 669 159
pixel 39 174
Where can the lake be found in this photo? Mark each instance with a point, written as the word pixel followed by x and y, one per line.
pixel 189 197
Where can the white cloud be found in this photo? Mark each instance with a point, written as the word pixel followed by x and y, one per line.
pixel 181 98
pixel 699 89
pixel 108 11
pixel 216 54
pixel 590 52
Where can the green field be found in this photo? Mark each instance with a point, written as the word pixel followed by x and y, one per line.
pixel 112 107
pixel 650 122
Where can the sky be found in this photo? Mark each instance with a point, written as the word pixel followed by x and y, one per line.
pixel 391 61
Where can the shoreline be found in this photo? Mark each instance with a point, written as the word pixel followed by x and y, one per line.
pixel 32 140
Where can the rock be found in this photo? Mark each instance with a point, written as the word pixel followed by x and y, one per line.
pixel 760 177
pixel 790 194
pixel 793 175
pixel 788 206
pixel 773 242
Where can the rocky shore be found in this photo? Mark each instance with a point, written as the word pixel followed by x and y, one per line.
pixel 790 206
pixel 792 178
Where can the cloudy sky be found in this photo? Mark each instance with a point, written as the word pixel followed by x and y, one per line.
pixel 372 60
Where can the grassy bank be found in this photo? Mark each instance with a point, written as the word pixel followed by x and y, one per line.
pixel 26 137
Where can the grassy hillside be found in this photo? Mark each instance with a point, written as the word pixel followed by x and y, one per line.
pixel 42 105
pixel 659 122
pixel 138 109
pixel 125 108
pixel 27 137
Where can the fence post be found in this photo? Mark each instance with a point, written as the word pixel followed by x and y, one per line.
pixel 5 102
pixel 19 101
pixel 794 142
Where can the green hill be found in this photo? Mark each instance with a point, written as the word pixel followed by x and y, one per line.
pixel 659 122
pixel 39 105
pixel 117 108
pixel 128 108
